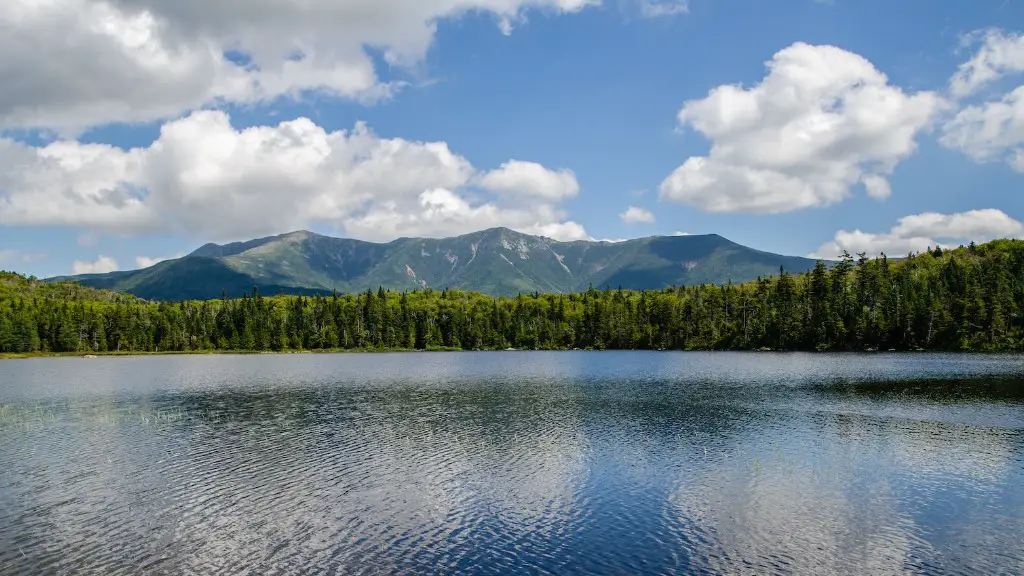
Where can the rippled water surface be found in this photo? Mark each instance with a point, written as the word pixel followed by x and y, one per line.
pixel 513 463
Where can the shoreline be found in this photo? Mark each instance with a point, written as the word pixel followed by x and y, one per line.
pixel 109 353
pixel 91 355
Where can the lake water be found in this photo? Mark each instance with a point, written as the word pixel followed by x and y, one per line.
pixel 513 463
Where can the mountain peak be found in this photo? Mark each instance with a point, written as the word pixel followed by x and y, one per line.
pixel 498 230
pixel 498 261
pixel 297 236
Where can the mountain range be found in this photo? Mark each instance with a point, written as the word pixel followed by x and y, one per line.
pixel 497 261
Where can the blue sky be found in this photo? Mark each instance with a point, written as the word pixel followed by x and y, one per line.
pixel 136 138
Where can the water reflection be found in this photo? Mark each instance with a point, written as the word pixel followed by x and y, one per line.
pixel 887 496
pixel 513 463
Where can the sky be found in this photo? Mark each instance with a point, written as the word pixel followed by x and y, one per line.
pixel 137 130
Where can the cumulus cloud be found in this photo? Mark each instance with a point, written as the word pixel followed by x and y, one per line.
pixel 70 64
pixel 997 54
pixel 637 215
pixel 442 212
pixel 990 131
pixel 877 187
pixel 69 183
pixel 147 261
pixel 202 177
pixel 822 121
pixel 530 178
pixel 101 265
pixel 917 232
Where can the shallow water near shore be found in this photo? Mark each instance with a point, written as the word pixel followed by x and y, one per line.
pixel 513 463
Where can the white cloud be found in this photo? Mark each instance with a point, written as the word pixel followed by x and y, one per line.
pixel 530 178
pixel 101 265
pixel 663 8
pixel 991 131
pixel 442 212
pixel 564 231
pixel 202 177
pixel 147 261
pixel 917 232
pixel 68 183
pixel 679 233
pixel 998 54
pixel 70 64
pixel 822 121
pixel 637 215
pixel 877 187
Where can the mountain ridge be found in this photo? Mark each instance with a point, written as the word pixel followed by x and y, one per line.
pixel 497 261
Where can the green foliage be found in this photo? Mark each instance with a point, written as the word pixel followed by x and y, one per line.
pixel 964 299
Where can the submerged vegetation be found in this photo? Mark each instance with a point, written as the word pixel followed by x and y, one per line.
pixel 970 298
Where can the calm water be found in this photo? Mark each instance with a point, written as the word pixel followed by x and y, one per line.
pixel 513 463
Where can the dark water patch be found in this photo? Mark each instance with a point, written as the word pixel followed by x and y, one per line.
pixel 956 389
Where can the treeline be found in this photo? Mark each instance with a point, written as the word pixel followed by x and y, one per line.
pixel 965 299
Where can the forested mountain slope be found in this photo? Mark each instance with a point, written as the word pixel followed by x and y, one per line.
pixel 965 299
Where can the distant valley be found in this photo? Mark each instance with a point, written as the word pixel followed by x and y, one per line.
pixel 497 261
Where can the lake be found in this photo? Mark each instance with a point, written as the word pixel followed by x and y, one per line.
pixel 513 463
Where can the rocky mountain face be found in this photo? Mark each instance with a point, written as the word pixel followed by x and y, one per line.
pixel 497 261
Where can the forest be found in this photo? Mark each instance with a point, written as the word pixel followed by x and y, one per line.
pixel 966 299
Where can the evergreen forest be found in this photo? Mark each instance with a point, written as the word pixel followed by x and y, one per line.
pixel 969 298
